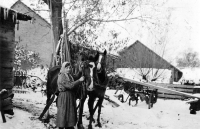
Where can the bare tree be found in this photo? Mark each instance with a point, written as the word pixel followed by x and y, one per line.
pixel 189 59
pixel 87 18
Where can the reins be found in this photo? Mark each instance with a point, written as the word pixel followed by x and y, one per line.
pixel 82 88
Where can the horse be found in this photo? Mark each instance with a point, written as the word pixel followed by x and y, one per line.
pixel 99 88
pixel 81 92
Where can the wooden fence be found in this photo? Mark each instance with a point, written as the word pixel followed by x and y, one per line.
pixel 165 93
pixel 172 95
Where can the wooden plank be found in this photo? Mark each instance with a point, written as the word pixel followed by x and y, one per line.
pixel 172 85
pixel 6 75
pixel 169 96
pixel 8 64
pixel 47 106
pixel 7 86
pixel 182 86
pixel 156 86
pixel 180 90
pixel 6 43
pixel 8 60
pixel 193 101
pixel 169 93
pixel 10 83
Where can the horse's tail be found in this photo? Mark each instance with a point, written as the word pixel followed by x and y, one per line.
pixel 48 82
pixel 48 87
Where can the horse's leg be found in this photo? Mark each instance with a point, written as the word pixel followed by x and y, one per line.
pixel 122 99
pixel 153 99
pixel 99 112
pixel 136 99
pixel 150 100
pixel 90 105
pixel 48 99
pixel 80 122
pixel 130 101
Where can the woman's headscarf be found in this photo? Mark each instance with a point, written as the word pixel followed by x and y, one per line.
pixel 62 70
pixel 65 64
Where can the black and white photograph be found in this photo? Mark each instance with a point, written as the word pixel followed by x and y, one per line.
pixel 99 64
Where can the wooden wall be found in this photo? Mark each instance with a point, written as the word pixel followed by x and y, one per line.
pixel 7 45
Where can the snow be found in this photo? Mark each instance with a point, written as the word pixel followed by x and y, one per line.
pixel 167 114
pixel 21 120
pixel 191 74
pixel 135 74
pixel 41 73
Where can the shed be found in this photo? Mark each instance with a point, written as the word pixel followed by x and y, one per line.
pixel 8 19
pixel 139 56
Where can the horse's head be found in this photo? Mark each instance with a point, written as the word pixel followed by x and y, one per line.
pixel 88 72
pixel 100 60
pixel 99 71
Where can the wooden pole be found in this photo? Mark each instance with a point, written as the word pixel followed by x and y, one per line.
pixel 68 54
pixel 66 49
pixel 52 37
pixel 172 76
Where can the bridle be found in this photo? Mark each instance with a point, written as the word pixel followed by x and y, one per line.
pixel 99 62
pixel 83 65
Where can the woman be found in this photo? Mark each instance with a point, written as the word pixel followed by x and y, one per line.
pixel 66 103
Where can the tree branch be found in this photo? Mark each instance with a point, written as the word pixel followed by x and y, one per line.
pixel 118 20
pixel 78 26
pixel 41 10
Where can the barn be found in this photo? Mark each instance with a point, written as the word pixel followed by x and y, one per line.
pixel 138 55
pixel 8 20
pixel 36 36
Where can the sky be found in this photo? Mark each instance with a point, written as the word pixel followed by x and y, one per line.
pixel 182 32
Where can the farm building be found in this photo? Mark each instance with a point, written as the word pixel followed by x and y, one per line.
pixel 8 20
pixel 35 36
pixel 139 56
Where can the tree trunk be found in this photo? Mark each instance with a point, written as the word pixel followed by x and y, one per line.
pixel 55 7
pixel 57 20
pixel 57 26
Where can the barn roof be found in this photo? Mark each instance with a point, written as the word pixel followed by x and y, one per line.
pixel 139 56
pixel 6 14
pixel 32 8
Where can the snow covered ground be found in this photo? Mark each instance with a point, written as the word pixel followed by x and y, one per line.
pixel 166 114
